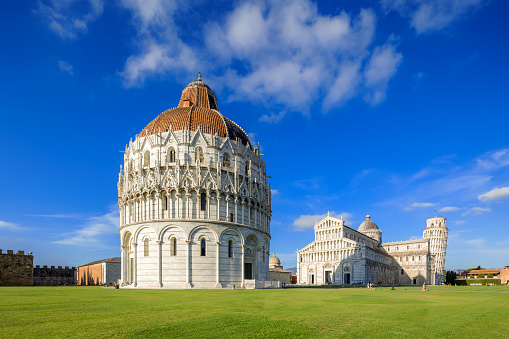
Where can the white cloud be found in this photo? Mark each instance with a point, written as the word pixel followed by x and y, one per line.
pixel 274 192
pixel 494 160
pixel 307 221
pixel 477 211
pixel 61 17
pixel 5 225
pixel 495 194
pixel 65 67
pixel 93 230
pixel 381 67
pixel 459 222
pixel 273 117
pixel 432 15
pixel 294 56
pixel 58 215
pixel 475 242
pixel 449 209
pixel 419 205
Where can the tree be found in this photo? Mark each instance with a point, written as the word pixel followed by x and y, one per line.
pixel 489 276
pixel 450 276
pixel 480 276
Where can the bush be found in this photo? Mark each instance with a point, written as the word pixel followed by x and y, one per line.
pixel 480 276
pixel 464 282
pixel 489 276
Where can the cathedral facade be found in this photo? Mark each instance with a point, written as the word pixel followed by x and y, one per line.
pixel 194 201
pixel 341 255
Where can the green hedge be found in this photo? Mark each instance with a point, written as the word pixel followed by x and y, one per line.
pixel 465 282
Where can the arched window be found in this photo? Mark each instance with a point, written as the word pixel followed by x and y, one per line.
pixel 402 271
pixel 232 219
pixel 247 168
pixel 164 202
pixel 230 249
pixel 203 251
pixel 226 160
pixel 171 155
pixel 146 158
pixel 199 155
pixel 173 246
pixel 145 247
pixel 203 200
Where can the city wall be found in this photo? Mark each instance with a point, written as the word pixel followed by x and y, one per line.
pixel 16 269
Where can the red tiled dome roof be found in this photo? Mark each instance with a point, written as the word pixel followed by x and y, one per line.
pixel 197 109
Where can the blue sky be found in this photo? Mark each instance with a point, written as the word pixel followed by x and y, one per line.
pixel 392 107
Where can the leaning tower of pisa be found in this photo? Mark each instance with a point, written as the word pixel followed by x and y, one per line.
pixel 436 232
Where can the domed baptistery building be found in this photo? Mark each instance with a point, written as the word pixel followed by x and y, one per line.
pixel 194 201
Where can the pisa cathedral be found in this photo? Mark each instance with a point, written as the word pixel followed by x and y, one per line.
pixel 194 201
pixel 342 255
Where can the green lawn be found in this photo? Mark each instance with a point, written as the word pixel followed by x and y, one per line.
pixel 76 311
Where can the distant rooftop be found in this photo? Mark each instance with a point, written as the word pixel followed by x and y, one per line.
pixel 113 259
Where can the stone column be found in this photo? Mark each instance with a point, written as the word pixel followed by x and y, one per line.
pixel 208 205
pixel 227 198
pixel 235 203
pixel 249 213
pixel 242 285
pixel 124 261
pixel 169 204
pixel 188 196
pixel 158 206
pixel 255 215
pixel 160 262
pixel 188 280
pixel 242 206
pixel 149 209
pixel 218 205
pixel 177 197
pixel 135 266
pixel 218 283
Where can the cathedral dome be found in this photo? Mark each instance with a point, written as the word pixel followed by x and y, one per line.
pixel 197 109
pixel 367 225
pixel 274 261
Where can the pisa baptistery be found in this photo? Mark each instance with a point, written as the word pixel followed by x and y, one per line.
pixel 194 201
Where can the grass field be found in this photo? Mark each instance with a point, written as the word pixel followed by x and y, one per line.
pixel 76 311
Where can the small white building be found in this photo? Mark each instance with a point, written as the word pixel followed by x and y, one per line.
pixel 194 201
pixel 342 255
pixel 276 271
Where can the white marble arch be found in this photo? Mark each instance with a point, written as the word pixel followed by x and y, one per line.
pixel 251 254
pixel 230 267
pixel 203 270
pixel 173 261
pixel 126 249
pixel 146 262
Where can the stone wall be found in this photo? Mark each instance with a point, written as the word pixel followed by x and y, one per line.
pixel 504 275
pixel 90 275
pixel 112 272
pixel 16 269
pixel 51 276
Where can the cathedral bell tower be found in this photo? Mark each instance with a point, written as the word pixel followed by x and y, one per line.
pixel 436 232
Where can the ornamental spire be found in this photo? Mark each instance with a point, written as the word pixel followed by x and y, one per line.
pixel 199 76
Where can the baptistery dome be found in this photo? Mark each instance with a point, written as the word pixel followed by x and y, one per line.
pixel 197 109
pixel 194 200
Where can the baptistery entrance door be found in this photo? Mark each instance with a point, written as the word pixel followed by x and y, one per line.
pixel 248 270
pixel 346 278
